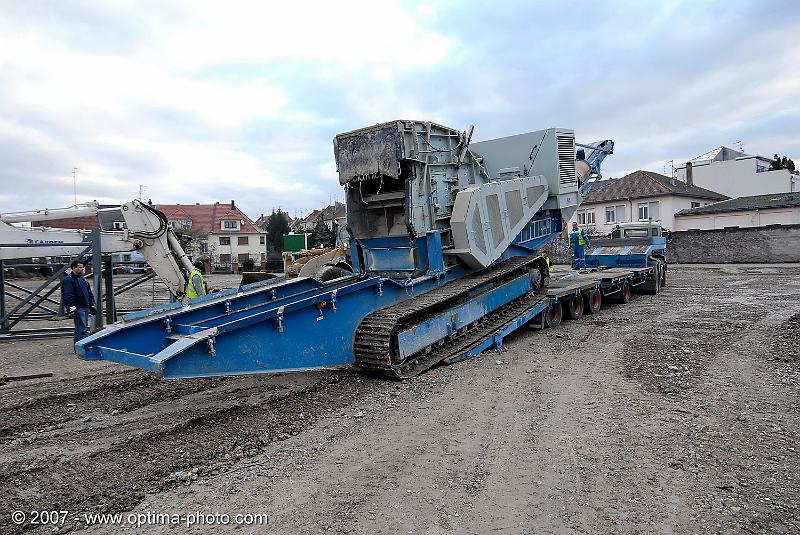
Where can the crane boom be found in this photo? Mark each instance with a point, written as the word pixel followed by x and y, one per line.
pixel 148 232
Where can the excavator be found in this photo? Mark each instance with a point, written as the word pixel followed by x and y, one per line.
pixel 445 239
pixel 148 232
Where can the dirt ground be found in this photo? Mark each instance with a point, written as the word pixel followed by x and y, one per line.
pixel 675 413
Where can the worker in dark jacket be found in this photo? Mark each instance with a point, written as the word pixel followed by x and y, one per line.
pixel 77 294
pixel 550 266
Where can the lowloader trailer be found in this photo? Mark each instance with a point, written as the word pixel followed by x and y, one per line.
pixel 445 240
pixel 632 260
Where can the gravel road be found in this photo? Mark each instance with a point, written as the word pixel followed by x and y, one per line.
pixel 675 413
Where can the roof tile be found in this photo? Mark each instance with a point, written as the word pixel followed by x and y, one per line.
pixel 641 184
pixel 207 218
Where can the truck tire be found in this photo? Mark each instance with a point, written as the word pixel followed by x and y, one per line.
pixel 593 301
pixel 653 285
pixel 552 317
pixel 624 294
pixel 573 308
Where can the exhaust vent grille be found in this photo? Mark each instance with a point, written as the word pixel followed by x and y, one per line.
pixel 566 161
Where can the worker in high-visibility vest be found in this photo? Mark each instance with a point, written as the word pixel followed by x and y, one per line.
pixel 196 285
pixel 550 266
pixel 578 240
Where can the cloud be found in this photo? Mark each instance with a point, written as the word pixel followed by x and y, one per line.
pixel 200 102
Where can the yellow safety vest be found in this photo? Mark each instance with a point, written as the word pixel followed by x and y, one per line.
pixel 581 237
pixel 190 291
pixel 549 267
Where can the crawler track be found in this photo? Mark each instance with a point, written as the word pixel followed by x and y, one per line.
pixel 375 346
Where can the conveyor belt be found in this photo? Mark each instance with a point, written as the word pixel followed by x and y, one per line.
pixel 375 346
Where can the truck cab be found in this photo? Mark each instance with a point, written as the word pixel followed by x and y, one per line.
pixel 630 245
pixel 637 230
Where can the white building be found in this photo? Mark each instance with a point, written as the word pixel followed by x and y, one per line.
pixel 639 196
pixel 221 232
pixel 755 211
pixel 737 174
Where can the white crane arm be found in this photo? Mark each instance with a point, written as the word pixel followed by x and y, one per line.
pixel 148 232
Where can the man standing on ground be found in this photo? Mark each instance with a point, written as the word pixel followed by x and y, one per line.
pixel 578 240
pixel 78 294
pixel 196 285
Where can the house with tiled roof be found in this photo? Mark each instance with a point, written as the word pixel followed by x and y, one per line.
pixel 333 213
pixel 261 222
pixel 220 231
pixel 306 224
pixel 742 212
pixel 640 196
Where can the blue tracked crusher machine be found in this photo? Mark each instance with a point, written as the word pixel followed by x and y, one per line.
pixel 444 240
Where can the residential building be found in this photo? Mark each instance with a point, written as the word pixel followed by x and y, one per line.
pixel 307 223
pixel 639 196
pixel 261 222
pixel 333 213
pixel 753 211
pixel 736 174
pixel 220 232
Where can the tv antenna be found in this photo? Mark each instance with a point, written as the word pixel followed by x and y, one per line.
pixel 75 184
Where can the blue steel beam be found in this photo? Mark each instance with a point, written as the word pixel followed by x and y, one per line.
pixel 291 326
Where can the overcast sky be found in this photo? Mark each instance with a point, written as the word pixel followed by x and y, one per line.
pixel 212 101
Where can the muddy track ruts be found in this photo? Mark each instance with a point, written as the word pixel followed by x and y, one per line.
pixel 58 404
pixel 117 478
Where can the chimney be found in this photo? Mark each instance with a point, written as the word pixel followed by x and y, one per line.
pixel 233 205
pixel 689 176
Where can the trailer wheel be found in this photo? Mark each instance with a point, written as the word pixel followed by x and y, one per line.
pixel 573 308
pixel 625 292
pixel 553 315
pixel 594 300
pixel 653 285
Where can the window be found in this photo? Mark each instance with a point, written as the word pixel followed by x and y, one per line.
pixel 243 257
pixel 585 216
pixel 262 240
pixel 230 224
pixel 181 225
pixel 615 214
pixel 649 210
pixel 203 247
pixel 695 204
pixel 243 240
pixel 224 240
pixel 225 258
pixel 655 212
pixel 636 232
pixel 120 225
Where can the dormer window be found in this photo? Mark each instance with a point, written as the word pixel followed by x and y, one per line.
pixel 230 224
